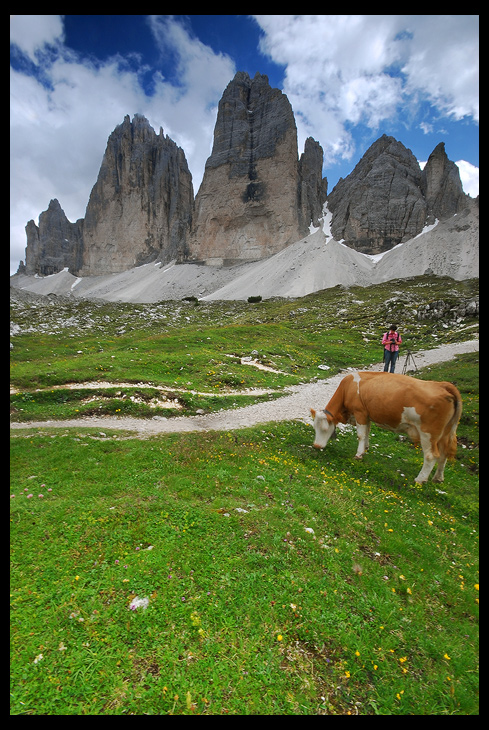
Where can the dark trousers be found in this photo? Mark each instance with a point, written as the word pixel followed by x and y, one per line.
pixel 390 359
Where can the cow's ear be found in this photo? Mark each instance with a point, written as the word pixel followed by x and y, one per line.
pixel 313 413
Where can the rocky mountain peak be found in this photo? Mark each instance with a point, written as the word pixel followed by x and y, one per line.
pixel 55 244
pixel 256 198
pixel 251 203
pixel 387 199
pixel 140 208
pixel 441 186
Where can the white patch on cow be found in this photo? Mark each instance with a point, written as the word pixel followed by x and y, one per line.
pixel 411 419
pixel 363 431
pixel 356 378
pixel 410 415
pixel 410 423
pixel 324 430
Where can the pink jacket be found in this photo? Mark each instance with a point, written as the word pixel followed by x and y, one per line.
pixel 386 341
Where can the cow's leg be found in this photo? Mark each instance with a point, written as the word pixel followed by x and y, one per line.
pixel 363 431
pixel 429 458
pixel 443 448
pixel 440 469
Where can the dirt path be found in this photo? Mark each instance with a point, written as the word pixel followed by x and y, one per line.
pixel 294 405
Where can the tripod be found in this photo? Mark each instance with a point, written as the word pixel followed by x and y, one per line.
pixel 409 359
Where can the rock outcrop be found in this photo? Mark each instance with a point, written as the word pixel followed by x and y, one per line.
pixel 441 186
pixel 256 196
pixel 140 208
pixel 313 188
pixel 55 244
pixel 252 202
pixel 387 199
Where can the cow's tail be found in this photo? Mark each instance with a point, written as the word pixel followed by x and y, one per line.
pixel 451 427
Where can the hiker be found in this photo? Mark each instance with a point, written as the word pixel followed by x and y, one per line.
pixel 391 341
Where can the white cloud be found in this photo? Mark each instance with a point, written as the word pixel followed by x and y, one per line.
pixel 200 70
pixel 31 33
pixel 346 69
pixel 443 62
pixel 62 115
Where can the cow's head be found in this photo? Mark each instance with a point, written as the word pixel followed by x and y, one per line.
pixel 324 427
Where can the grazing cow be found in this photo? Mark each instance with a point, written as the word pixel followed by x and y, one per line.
pixel 427 411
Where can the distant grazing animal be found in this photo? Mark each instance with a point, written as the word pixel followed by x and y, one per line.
pixel 428 411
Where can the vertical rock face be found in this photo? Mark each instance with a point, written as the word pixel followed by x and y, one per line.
pixel 55 244
pixel 140 208
pixel 255 199
pixel 247 207
pixel 313 187
pixel 387 199
pixel 380 203
pixel 441 186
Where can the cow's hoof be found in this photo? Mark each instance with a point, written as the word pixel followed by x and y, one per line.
pixel 359 458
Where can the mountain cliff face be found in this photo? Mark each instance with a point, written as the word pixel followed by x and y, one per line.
pixel 441 186
pixel 256 196
pixel 140 208
pixel 253 201
pixel 313 188
pixel 55 244
pixel 387 199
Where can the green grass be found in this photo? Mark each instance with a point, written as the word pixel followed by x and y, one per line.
pixel 69 403
pixel 183 347
pixel 375 612
pixel 249 613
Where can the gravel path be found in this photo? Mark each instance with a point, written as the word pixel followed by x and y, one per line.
pixel 295 405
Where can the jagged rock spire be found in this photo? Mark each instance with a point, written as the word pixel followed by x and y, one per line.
pixel 252 202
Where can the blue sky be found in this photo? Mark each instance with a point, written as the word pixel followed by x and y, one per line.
pixel 349 80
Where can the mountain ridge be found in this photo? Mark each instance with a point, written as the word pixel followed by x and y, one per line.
pixel 257 196
pixel 318 261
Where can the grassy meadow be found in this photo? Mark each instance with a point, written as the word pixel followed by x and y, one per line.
pixel 238 572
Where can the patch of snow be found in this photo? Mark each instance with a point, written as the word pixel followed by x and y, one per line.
pixel 426 229
pixel 327 218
